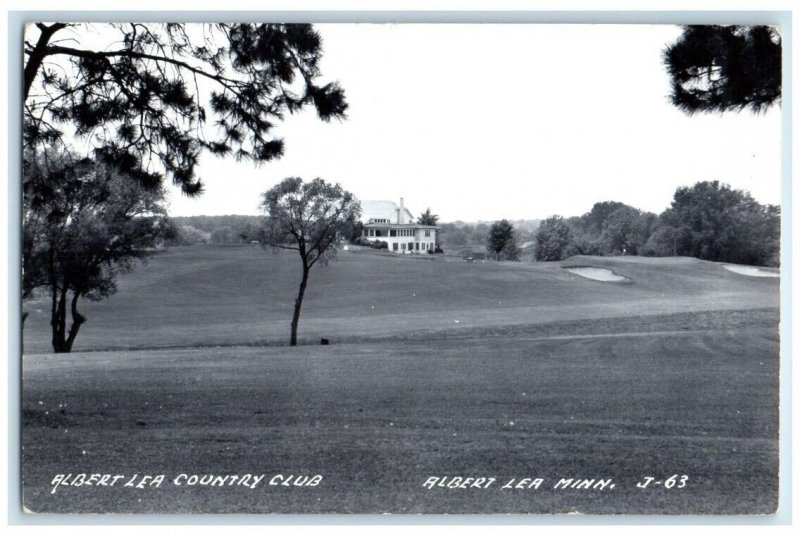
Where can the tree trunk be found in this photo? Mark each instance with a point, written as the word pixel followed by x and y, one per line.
pixel 62 342
pixel 298 303
pixel 59 319
pixel 77 320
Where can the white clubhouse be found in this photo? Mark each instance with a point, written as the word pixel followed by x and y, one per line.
pixel 385 221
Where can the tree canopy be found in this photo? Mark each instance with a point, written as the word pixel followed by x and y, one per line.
pixel 552 239
pixel 625 230
pixel 427 218
pixel 155 96
pixel 501 242
pixel 714 222
pixel 721 68
pixel 593 221
pixel 82 225
pixel 310 218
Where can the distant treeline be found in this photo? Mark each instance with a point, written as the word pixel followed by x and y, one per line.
pixel 460 235
pixel 709 220
pixel 233 229
pixel 230 229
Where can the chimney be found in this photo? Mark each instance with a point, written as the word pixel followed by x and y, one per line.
pixel 401 214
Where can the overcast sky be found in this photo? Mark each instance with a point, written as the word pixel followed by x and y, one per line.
pixel 482 122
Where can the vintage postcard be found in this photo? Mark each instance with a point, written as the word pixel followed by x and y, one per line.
pixel 400 268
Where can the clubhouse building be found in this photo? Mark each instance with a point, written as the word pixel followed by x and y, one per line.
pixel 387 222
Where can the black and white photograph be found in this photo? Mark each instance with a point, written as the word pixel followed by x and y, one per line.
pixel 276 267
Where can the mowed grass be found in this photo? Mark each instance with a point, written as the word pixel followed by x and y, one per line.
pixel 208 296
pixel 546 375
pixel 378 419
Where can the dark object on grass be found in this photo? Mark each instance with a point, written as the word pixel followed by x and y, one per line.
pixel 324 342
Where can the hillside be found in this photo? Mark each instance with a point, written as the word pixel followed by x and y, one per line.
pixel 437 368
pixel 217 295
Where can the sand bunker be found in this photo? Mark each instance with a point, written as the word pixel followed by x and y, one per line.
pixel 598 274
pixel 751 271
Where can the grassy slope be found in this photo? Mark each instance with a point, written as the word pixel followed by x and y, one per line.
pixel 243 295
pixel 676 373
